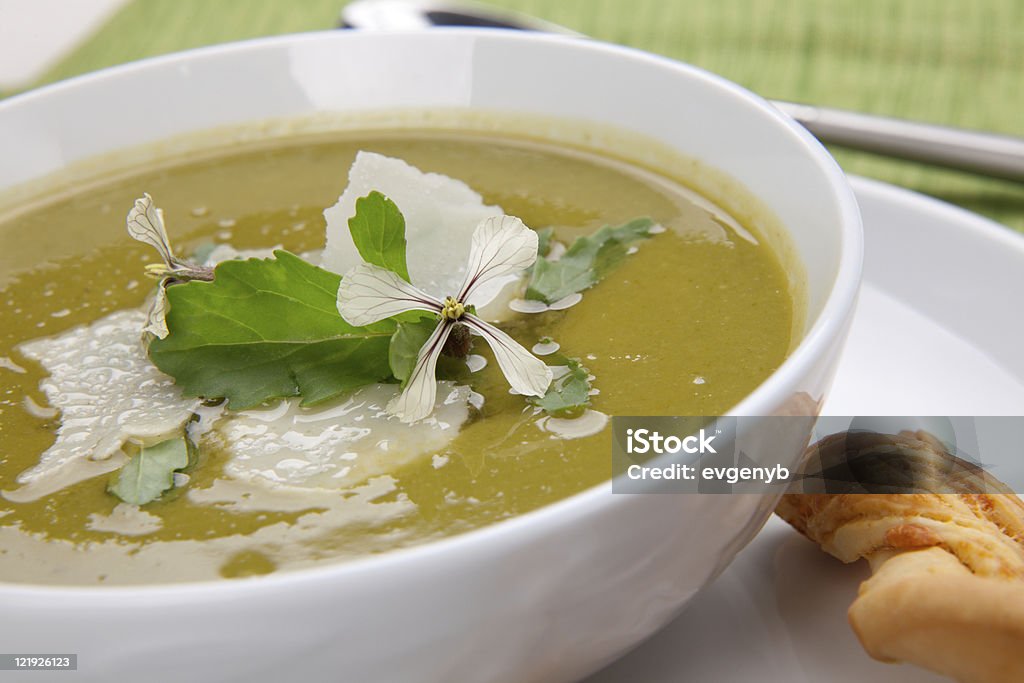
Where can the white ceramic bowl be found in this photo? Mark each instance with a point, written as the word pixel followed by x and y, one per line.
pixel 547 596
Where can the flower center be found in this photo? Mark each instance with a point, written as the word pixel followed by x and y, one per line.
pixel 157 270
pixel 180 271
pixel 452 309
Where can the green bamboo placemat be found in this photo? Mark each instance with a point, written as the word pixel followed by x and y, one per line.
pixel 956 62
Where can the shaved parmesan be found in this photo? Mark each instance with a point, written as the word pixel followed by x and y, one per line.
pixel 127 520
pixel 339 446
pixel 440 216
pixel 106 389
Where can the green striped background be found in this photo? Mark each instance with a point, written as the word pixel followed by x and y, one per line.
pixel 957 62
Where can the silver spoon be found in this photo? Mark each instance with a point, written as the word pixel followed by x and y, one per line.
pixel 997 156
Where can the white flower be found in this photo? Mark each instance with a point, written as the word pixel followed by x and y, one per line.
pixel 146 224
pixel 500 246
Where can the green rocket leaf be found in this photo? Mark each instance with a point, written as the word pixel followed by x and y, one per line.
pixel 406 343
pixel 378 231
pixel 569 391
pixel 264 329
pixel 147 475
pixel 585 262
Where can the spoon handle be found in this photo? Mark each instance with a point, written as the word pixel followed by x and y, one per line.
pixel 997 156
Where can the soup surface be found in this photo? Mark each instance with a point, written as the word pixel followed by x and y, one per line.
pixel 690 323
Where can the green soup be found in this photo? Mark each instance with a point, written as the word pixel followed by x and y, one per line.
pixel 689 324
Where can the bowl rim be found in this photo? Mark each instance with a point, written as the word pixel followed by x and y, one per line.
pixel 827 327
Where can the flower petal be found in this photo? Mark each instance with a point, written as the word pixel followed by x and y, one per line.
pixel 146 224
pixel 526 373
pixel 156 323
pixel 502 246
pixel 417 400
pixel 370 293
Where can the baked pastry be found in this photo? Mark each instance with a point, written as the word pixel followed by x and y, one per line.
pixel 947 557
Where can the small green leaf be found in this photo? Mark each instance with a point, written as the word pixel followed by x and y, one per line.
pixel 406 343
pixel 585 262
pixel 147 475
pixel 378 231
pixel 569 392
pixel 544 236
pixel 265 329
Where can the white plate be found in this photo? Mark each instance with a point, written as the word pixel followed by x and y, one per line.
pixel 937 332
